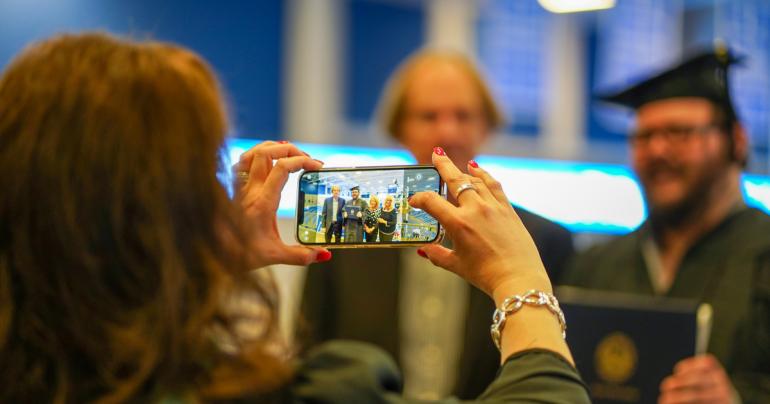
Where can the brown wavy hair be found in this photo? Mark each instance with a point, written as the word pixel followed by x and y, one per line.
pixel 118 244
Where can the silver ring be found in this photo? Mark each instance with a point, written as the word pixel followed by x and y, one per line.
pixel 243 176
pixel 464 187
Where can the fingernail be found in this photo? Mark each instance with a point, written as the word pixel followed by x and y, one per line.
pixel 421 253
pixel 319 161
pixel 439 151
pixel 306 155
pixel 283 141
pixel 323 256
pixel 473 164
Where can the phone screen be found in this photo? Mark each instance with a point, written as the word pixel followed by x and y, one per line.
pixel 365 206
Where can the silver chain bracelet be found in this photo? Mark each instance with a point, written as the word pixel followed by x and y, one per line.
pixel 514 303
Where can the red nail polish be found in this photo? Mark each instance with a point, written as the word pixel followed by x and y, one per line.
pixel 421 253
pixel 283 141
pixel 473 164
pixel 439 151
pixel 323 256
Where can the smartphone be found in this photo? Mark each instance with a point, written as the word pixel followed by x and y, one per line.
pixel 362 207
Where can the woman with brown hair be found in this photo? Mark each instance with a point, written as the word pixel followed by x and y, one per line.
pixel 122 259
pixel 119 245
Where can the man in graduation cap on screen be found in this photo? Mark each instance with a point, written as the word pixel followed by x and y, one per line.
pixel 353 215
pixel 700 240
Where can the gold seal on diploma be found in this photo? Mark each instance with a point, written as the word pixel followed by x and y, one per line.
pixel 615 358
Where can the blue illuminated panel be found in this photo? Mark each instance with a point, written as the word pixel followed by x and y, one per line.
pixel 756 191
pixel 511 38
pixel 373 51
pixel 745 25
pixel 584 197
pixel 634 40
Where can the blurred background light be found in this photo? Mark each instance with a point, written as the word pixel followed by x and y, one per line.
pixel 583 197
pixel 574 6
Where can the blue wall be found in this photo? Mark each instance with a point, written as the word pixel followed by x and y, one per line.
pixel 380 36
pixel 243 40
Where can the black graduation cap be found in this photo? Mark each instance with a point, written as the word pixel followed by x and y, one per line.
pixel 355 188
pixel 702 76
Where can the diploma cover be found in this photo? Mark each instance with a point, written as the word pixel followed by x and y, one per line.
pixel 352 211
pixel 625 345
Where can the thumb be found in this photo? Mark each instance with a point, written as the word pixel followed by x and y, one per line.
pixel 439 256
pixel 299 255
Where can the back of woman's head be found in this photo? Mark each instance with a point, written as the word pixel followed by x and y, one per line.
pixel 117 243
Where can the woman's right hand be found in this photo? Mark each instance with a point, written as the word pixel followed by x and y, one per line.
pixel 492 249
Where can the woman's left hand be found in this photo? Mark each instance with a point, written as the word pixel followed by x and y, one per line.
pixel 492 248
pixel 259 195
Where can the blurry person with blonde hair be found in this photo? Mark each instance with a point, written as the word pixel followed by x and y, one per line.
pixel 387 220
pixel 436 100
pixel 439 98
pixel 371 217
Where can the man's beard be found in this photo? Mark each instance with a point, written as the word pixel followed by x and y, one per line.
pixel 681 213
pixel 695 202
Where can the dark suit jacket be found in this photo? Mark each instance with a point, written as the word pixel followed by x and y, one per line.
pixel 355 296
pixel 328 215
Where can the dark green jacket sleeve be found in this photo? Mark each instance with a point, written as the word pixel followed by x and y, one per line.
pixel 750 368
pixel 353 372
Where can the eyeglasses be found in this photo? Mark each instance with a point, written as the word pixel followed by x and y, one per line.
pixel 673 134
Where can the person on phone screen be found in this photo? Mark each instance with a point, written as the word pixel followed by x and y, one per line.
pixel 371 217
pixel 387 220
pixel 332 215
pixel 436 98
pixel 353 215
